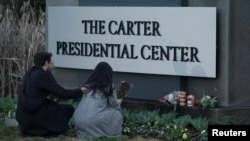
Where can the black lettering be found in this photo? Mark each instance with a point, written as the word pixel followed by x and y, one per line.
pixel 77 52
pixel 110 27
pixel 64 48
pixel 138 27
pixel 165 53
pixel 130 28
pixel 121 29
pixel 155 31
pixel 184 53
pixel 147 29
pixel 132 52
pixel 104 51
pixel 142 52
pixel 125 51
pixel 71 48
pixel 85 24
pixel 155 52
pixel 175 53
pixel 88 49
pixel 194 51
pixel 101 27
pixel 58 47
pixel 96 50
pixel 112 52
pixel 93 27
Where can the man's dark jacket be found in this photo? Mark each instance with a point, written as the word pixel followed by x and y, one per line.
pixel 35 113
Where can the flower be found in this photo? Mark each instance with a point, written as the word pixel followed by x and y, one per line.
pixel 161 100
pixel 123 88
pixel 207 101
pixel 175 127
pixel 184 136
pixel 126 130
pixel 170 99
pixel 203 132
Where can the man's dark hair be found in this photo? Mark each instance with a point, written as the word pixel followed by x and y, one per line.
pixel 41 57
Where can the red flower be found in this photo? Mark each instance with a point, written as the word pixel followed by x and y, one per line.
pixel 161 100
pixel 124 87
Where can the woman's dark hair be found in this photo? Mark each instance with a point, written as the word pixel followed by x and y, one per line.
pixel 41 57
pixel 102 79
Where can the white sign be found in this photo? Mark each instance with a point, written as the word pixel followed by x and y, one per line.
pixel 153 40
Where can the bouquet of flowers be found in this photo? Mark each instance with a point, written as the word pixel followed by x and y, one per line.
pixel 207 101
pixel 123 88
pixel 170 99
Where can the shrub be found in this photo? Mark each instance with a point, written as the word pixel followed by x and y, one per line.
pixel 22 33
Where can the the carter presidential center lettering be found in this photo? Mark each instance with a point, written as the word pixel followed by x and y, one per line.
pixel 128 51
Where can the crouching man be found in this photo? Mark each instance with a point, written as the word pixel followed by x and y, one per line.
pixel 36 114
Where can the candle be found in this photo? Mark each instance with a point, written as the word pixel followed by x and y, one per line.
pixel 182 97
pixel 190 100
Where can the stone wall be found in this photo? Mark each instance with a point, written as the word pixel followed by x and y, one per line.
pixel 231 82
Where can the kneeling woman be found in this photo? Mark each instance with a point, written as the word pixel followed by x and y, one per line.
pixel 98 113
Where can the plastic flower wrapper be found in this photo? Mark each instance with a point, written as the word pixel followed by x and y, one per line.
pixel 123 88
pixel 170 99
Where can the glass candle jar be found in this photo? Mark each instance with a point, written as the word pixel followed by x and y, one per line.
pixel 182 97
pixel 182 101
pixel 190 100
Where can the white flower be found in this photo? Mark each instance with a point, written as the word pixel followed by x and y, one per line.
pixel 205 98
pixel 171 98
pixel 203 131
